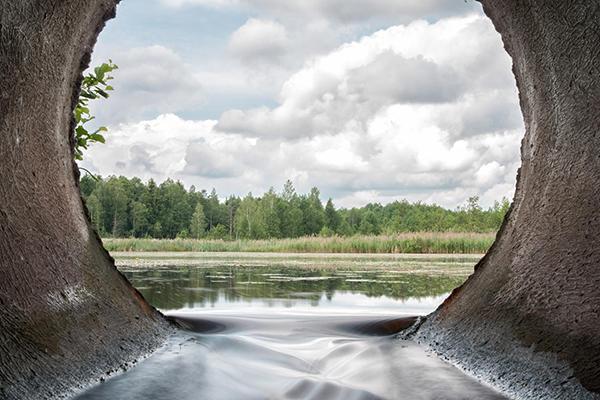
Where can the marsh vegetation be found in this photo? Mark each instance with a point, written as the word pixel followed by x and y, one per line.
pixel 426 243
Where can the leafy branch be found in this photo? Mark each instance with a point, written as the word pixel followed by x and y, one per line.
pixel 94 86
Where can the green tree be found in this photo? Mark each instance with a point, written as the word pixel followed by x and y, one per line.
pixel 497 213
pixel 216 212
pixel 87 185
pixel 184 234
pixel 332 217
pixel 249 219
pixel 269 212
pixel 139 219
pixel 232 204
pixel 174 212
pixel 474 213
pixel 293 221
pixel 354 218
pixel 150 199
pixel 115 202
pixel 198 222
pixel 219 232
pixel 95 210
pixel 157 231
pixel 289 193
pixel 369 224
pixel 289 212
pixel 313 213
pixel 119 206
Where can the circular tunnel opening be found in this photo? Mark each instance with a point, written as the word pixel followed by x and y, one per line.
pixel 255 106
pixel 69 316
pixel 384 119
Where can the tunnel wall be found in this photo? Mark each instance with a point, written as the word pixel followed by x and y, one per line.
pixel 67 316
pixel 528 320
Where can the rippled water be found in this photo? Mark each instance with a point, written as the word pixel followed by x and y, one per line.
pixel 285 332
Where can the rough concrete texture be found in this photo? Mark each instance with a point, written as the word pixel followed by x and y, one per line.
pixel 528 320
pixel 67 317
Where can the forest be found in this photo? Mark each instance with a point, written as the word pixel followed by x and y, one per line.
pixel 128 207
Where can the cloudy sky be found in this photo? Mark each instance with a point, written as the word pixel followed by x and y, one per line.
pixel 368 100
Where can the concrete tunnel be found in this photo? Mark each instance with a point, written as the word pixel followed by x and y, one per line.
pixel 526 322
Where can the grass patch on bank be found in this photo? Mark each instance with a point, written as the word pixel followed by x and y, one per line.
pixel 417 243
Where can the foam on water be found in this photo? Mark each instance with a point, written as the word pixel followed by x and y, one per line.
pixel 289 355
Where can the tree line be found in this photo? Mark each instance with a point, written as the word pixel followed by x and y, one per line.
pixel 129 207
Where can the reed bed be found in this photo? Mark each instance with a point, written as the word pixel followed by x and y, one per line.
pixel 417 243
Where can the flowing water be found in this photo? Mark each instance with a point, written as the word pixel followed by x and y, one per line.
pixel 292 327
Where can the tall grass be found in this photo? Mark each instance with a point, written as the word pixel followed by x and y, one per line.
pixel 426 243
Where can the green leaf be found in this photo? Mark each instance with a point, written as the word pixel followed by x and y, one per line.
pixel 88 95
pixel 99 71
pixel 93 86
pixel 97 138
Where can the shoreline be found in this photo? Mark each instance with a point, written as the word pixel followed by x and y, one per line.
pixel 266 254
pixel 423 264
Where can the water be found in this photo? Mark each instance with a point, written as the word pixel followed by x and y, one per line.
pixel 292 330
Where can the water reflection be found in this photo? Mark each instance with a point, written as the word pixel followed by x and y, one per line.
pixel 176 288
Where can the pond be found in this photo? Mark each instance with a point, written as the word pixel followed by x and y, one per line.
pixel 292 327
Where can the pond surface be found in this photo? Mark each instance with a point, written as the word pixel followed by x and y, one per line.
pixel 310 327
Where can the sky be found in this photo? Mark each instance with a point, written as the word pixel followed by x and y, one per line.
pixel 369 101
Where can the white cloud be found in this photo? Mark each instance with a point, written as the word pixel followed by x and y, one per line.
pixel 393 78
pixel 259 40
pixel 424 111
pixel 207 3
pixel 166 147
pixel 417 63
pixel 150 80
pixel 489 174
pixel 344 11
pixel 312 27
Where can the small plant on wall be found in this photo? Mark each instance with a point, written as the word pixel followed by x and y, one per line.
pixel 95 85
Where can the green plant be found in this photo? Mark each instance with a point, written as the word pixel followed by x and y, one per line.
pixel 418 242
pixel 95 85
